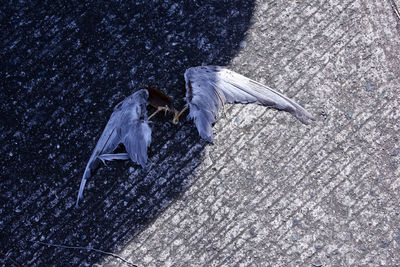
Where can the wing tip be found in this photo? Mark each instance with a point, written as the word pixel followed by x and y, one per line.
pixel 77 201
pixel 305 117
pixel 86 175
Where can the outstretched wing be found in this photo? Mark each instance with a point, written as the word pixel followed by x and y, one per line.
pixel 132 110
pixel 209 87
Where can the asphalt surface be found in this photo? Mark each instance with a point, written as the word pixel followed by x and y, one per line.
pixel 270 191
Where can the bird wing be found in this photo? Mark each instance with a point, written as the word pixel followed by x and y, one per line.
pixel 135 133
pixel 132 110
pixel 209 87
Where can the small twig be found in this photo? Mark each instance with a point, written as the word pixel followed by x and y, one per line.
pixel 395 8
pixel 6 257
pixel 175 120
pixel 87 248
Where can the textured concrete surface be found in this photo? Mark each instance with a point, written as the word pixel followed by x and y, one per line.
pixel 269 192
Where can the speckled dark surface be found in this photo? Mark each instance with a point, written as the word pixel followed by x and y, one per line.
pixel 63 67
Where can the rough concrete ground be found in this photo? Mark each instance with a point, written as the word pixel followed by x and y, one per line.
pixel 269 192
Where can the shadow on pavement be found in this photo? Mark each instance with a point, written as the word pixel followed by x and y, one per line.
pixel 64 68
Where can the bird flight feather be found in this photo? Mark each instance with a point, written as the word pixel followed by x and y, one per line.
pixel 209 87
pixel 127 125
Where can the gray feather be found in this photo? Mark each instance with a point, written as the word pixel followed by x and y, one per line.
pixel 208 86
pixel 136 137
pixel 127 125
pixel 111 157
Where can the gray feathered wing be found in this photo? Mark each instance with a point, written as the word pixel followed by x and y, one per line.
pixel 209 87
pixel 127 125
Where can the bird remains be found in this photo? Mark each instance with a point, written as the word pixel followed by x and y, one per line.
pixel 207 89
